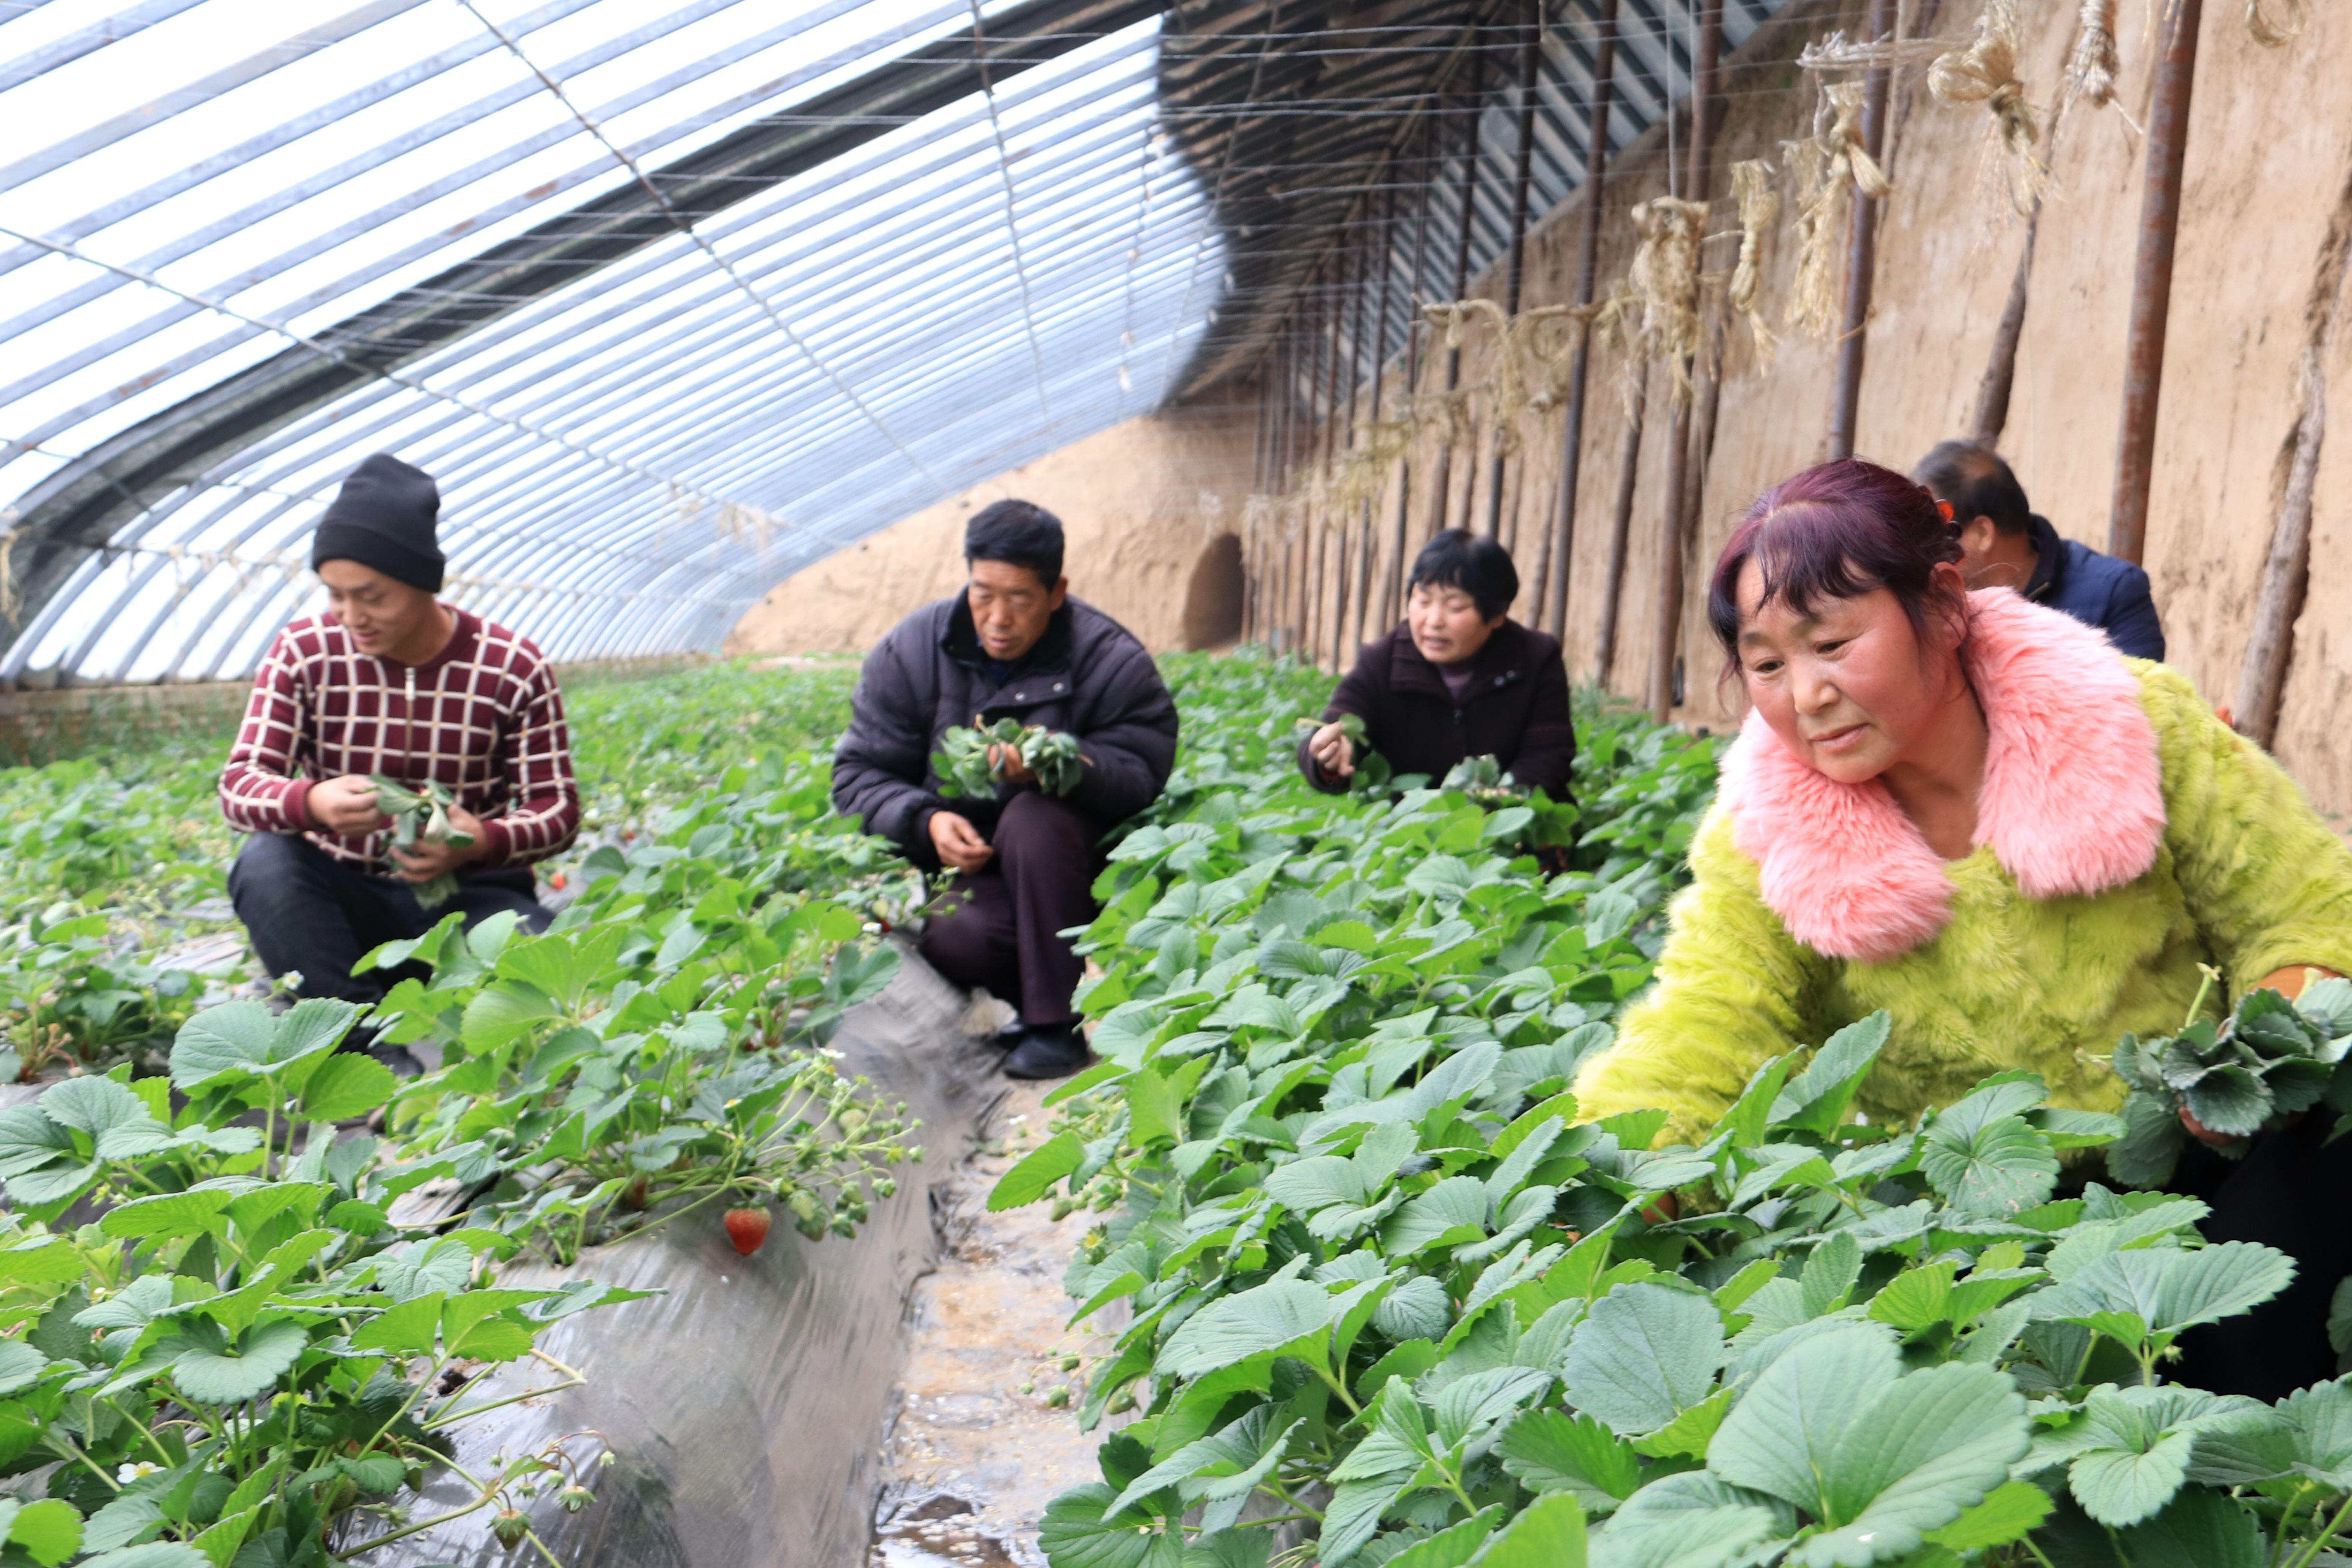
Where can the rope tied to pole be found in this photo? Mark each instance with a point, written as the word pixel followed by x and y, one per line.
pixel 1759 207
pixel 1986 73
pixel 2091 74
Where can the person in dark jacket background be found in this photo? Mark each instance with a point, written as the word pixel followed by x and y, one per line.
pixel 1458 678
pixel 2004 543
pixel 1012 645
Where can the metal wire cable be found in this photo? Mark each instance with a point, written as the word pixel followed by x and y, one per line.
pixel 1012 217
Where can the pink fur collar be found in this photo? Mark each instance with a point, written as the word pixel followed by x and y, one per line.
pixel 2072 803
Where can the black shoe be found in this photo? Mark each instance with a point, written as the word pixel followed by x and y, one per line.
pixel 1048 1051
pixel 1011 1035
pixel 399 1058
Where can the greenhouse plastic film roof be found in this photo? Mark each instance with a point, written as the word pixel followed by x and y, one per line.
pixel 671 299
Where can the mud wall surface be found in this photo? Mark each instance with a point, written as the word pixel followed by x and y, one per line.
pixel 2270 150
pixel 1142 504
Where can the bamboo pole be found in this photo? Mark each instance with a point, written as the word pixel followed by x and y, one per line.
pixel 1588 267
pixel 1522 173
pixel 1861 251
pixel 1369 549
pixel 1678 419
pixel 1621 525
pixel 2287 572
pixel 1392 604
pixel 2159 223
pixel 1441 479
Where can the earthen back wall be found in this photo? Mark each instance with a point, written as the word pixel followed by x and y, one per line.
pixel 1140 503
pixel 2270 149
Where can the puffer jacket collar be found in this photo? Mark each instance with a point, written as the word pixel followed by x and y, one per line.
pixel 2072 802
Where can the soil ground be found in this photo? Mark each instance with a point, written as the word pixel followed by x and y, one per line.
pixel 971 1459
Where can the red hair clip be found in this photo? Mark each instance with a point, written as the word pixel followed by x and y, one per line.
pixel 1944 507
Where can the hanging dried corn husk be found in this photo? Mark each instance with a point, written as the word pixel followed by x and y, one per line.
pixel 1986 73
pixel 2274 35
pixel 1760 205
pixel 1665 276
pixel 2091 74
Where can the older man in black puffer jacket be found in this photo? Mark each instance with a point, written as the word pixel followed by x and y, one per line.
pixel 1013 645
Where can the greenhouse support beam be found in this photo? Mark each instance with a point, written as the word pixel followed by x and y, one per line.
pixel 1678 422
pixel 2160 225
pixel 1554 615
pixel 1861 250
pixel 1530 45
pixel 64 51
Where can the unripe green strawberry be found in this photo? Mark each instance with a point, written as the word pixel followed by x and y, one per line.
pixel 510 1526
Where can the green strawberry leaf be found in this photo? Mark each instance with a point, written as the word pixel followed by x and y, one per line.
pixel 1644 1355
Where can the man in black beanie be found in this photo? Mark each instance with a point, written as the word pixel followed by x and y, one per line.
pixel 390 680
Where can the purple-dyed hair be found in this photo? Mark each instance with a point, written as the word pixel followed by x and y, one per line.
pixel 1837 531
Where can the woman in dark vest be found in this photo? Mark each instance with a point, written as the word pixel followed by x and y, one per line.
pixel 1457 679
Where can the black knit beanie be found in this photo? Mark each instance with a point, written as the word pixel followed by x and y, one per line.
pixel 383 517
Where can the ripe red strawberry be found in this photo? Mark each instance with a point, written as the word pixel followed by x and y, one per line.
pixel 748 1228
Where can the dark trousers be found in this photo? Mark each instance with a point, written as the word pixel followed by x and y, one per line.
pixel 2284 1194
pixel 998 928
pixel 309 912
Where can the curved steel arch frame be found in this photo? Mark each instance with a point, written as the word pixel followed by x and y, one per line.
pixel 756 279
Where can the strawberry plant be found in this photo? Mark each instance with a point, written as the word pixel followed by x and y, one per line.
pixel 242 1351
pixel 1387 1300
pixel 2270 1057
pixel 218 1339
pixel 421 816
pixel 967 765
pixel 659 1049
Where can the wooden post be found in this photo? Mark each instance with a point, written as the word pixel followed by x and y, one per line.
pixel 2160 221
pixel 1588 267
pixel 1678 398
pixel 1531 36
pixel 1861 251
pixel 1620 527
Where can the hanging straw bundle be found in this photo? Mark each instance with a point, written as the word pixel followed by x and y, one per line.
pixel 2271 35
pixel 1824 170
pixel 1986 73
pixel 1665 277
pixel 1839 53
pixel 1760 205
pixel 2091 74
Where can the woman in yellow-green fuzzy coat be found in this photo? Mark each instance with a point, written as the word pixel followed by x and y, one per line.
pixel 1972 813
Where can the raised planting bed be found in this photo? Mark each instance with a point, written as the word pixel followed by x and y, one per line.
pixel 1390 1302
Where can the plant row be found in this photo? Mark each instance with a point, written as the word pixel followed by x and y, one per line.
pixel 236 1328
pixel 105 862
pixel 1376 1294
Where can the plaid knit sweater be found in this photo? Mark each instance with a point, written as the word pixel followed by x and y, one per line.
pixel 482 717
